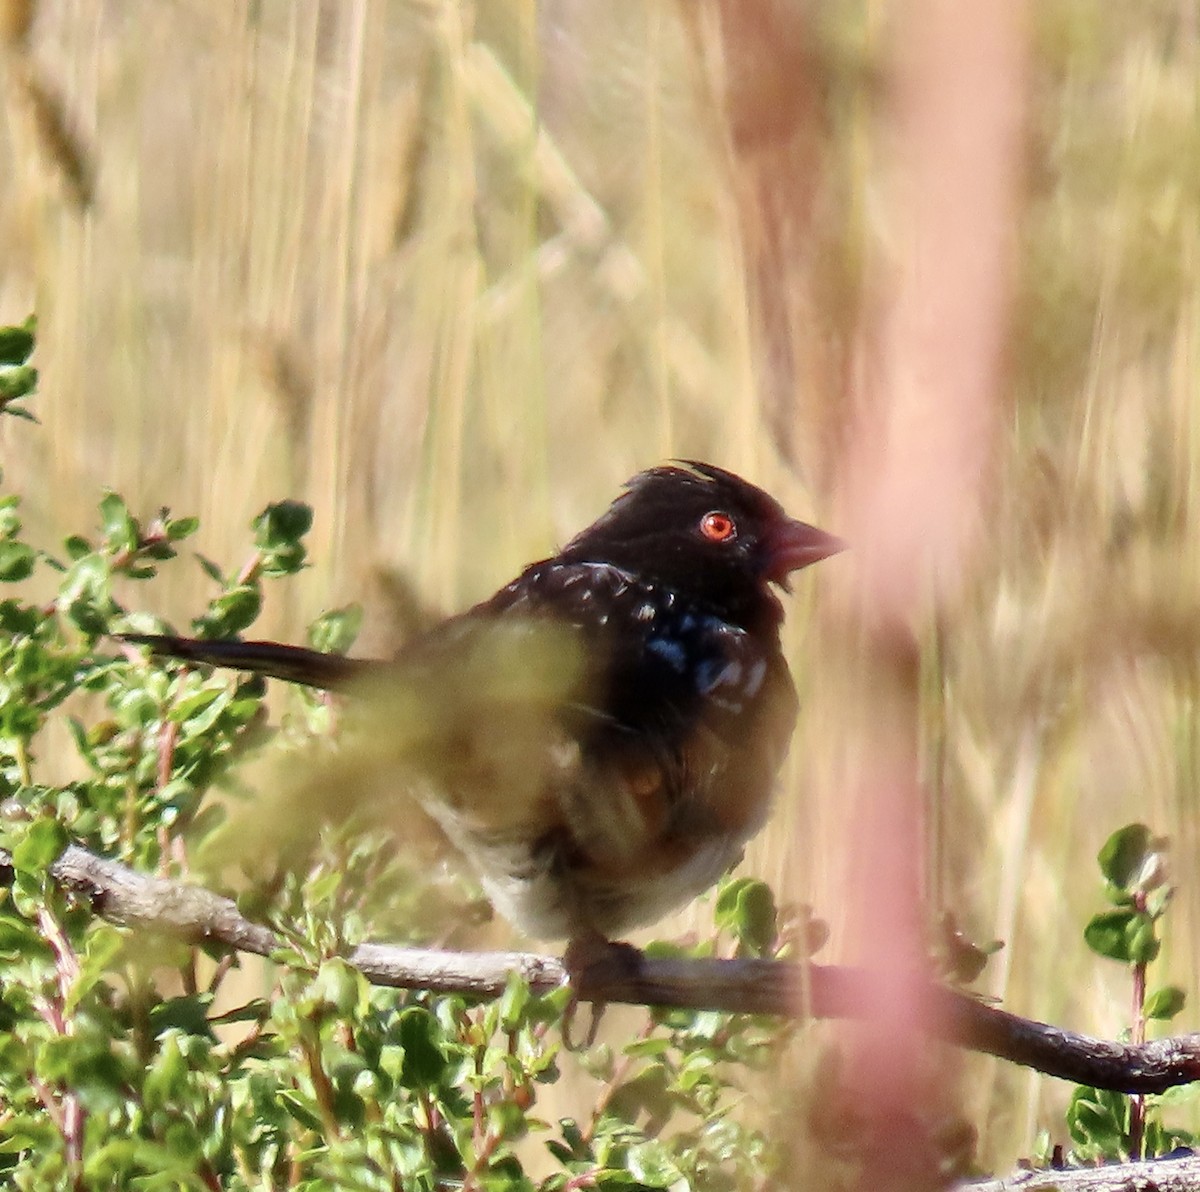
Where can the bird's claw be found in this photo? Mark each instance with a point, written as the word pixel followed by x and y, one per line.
pixel 593 962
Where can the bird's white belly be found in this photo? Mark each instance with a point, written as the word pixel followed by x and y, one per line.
pixel 546 904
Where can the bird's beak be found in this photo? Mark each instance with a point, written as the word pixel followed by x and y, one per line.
pixel 796 544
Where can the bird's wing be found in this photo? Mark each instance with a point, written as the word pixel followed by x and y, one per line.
pixel 682 718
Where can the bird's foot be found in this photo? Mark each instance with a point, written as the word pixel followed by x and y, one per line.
pixel 591 959
pixel 593 962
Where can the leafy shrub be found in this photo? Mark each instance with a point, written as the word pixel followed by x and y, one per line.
pixel 121 1062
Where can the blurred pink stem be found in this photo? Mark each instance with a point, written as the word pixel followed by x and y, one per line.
pixel 918 476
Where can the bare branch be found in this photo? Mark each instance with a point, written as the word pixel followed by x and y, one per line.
pixel 124 896
pixel 1155 1175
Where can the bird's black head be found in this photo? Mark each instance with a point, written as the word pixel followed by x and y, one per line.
pixel 707 534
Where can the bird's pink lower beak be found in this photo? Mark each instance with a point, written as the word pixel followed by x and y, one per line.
pixel 796 544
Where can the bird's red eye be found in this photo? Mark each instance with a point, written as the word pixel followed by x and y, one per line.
pixel 718 527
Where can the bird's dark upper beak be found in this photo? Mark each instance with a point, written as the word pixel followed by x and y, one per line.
pixel 796 544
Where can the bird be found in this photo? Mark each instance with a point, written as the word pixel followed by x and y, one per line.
pixel 602 736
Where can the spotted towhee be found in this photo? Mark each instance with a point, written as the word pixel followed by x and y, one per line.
pixel 601 737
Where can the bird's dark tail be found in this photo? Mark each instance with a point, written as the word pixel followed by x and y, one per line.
pixel 295 664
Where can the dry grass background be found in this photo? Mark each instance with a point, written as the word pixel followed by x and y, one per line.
pixel 452 272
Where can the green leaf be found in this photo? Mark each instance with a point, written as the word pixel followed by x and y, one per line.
pixel 322 889
pixel 104 944
pixel 40 847
pixel 1124 854
pixel 16 383
pixel 16 561
pixel 338 986
pixel 282 524
pixel 16 344
pixel 334 632
pixel 118 524
pixel 231 612
pixel 190 706
pixel 746 907
pixel 649 1093
pixel 1097 1118
pixel 10 517
pixel 576 1144
pixel 725 910
pixel 514 1002
pixel 652 1048
pixel 18 938
pixel 506 1119
pixel 1163 1004
pixel 210 569
pixel 166 1076
pixel 613 1179
pixel 84 595
pixel 652 1164
pixel 187 1014
pixel 182 527
pixel 17 618
pixel 277 534
pixel 424 1060
pixel 1141 941
pixel 1107 934
pixel 256 1010
pixel 89 1065
pixel 301 1109
pixel 14 1143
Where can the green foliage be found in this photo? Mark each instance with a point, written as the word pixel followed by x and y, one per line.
pixel 746 907
pixel 1133 863
pixel 1100 1123
pixel 1106 1125
pixel 278 534
pixel 18 378
pixel 124 1060
pixel 335 631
